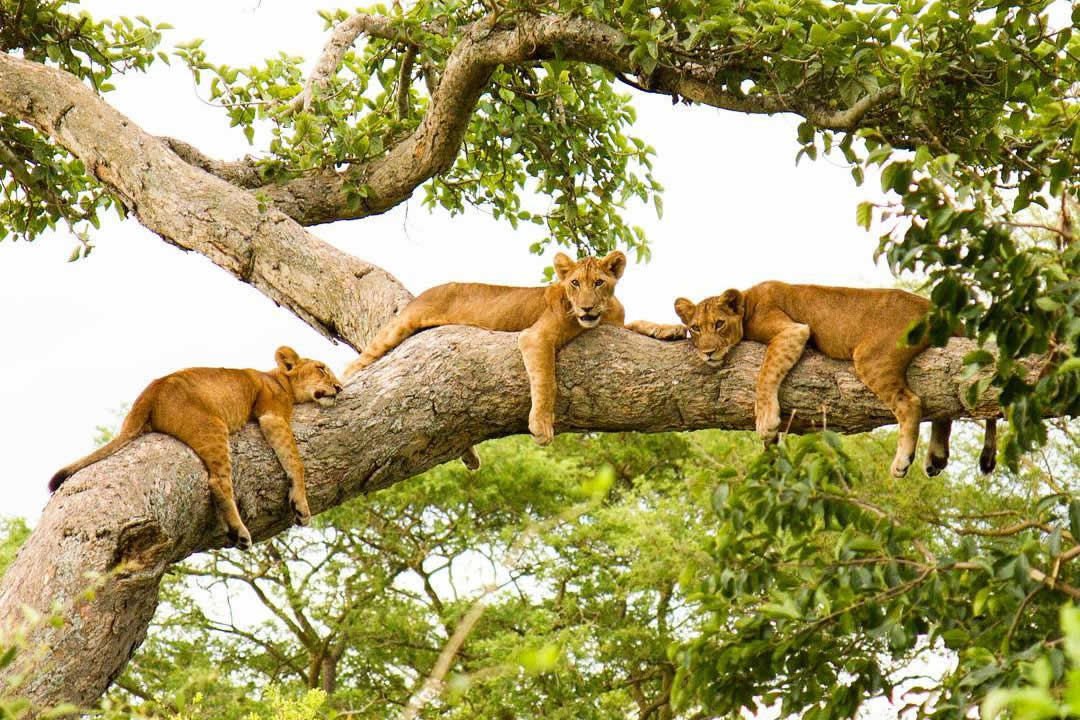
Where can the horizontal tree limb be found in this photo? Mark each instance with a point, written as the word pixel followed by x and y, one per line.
pixel 437 394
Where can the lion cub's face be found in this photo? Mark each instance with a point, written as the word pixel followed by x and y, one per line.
pixel 589 284
pixel 715 323
pixel 311 379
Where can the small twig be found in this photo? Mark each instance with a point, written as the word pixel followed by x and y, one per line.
pixel 1019 612
pixel 431 75
pixel 1039 226
pixel 405 81
pixel 433 685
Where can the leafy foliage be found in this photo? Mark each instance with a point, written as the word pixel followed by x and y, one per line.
pixel 820 593
pixel 41 184
pixel 13 533
pixel 580 624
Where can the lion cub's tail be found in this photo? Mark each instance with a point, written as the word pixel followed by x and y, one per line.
pixel 135 424
pixel 407 323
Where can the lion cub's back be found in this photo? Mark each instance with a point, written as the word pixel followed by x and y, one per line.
pixel 192 395
pixel 842 317
pixel 492 307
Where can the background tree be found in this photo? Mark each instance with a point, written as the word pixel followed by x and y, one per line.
pixel 971 113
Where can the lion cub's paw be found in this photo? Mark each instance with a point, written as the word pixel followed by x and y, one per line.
pixel 471 459
pixel 767 424
pixel 301 513
pixel 352 368
pixel 935 464
pixel 543 430
pixel 240 538
pixel 900 466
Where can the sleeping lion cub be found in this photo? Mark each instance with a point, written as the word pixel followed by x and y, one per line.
pixel 201 406
pixel 549 317
pixel 863 325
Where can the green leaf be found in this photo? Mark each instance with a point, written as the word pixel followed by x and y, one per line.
pixel 819 35
pixel 864 214
pixel 8 656
pixel 1048 304
pixel 955 638
pixel 979 603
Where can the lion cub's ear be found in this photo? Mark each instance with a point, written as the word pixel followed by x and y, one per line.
pixel 286 358
pixel 685 310
pixel 734 301
pixel 563 265
pixel 614 263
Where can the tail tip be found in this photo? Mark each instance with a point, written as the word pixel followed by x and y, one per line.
pixel 58 480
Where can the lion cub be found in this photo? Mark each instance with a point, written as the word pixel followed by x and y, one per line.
pixel 551 316
pixel 863 325
pixel 201 406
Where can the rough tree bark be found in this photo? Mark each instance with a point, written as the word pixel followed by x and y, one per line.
pixel 126 519
pixel 132 515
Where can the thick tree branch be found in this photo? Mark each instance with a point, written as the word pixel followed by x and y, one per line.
pixel 435 395
pixel 323 196
pixel 335 293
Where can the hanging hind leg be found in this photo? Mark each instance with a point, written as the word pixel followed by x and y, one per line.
pixel 937 455
pixel 988 456
pixel 884 373
pixel 211 444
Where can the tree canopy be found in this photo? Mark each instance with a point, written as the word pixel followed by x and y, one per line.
pixel 969 109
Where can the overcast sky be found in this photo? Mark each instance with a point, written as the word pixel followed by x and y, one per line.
pixel 81 339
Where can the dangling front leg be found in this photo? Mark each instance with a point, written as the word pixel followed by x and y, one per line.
pixel 538 345
pixel 784 350
pixel 539 357
pixel 280 437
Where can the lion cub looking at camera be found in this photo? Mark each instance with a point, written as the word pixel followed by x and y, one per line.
pixel 863 325
pixel 201 406
pixel 550 317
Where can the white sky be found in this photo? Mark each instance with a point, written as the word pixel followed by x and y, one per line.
pixel 83 338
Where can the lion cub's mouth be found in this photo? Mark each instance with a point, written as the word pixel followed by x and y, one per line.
pixel 714 359
pixel 589 320
pixel 324 398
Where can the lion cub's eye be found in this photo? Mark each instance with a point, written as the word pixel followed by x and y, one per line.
pixel 575 283
pixel 720 324
pixel 598 283
pixel 695 329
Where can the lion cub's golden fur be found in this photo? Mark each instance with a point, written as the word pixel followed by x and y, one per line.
pixel 547 317
pixel 864 325
pixel 201 406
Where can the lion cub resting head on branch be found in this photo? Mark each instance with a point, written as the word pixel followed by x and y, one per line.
pixel 864 325
pixel 201 406
pixel 547 317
